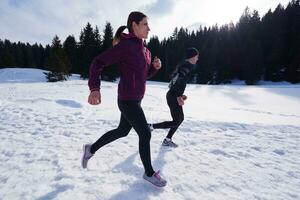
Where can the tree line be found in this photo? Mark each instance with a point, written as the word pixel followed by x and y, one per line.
pixel 255 48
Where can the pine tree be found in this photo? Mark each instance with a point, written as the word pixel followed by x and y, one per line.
pixel 46 54
pixel 98 41
pixel 225 60
pixel 1 53
pixel 293 67
pixel 8 59
pixel 71 50
pixel 108 36
pixel 250 47
pixel 37 56
pixel 57 62
pixel 209 70
pixel 165 60
pixel 42 58
pixel 18 55
pixel 111 72
pixel 29 58
pixel 274 44
pixel 88 49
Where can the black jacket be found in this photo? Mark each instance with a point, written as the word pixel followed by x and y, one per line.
pixel 180 78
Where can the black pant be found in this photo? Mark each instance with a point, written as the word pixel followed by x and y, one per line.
pixel 176 113
pixel 132 115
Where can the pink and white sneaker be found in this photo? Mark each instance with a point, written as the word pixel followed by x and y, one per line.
pixel 156 179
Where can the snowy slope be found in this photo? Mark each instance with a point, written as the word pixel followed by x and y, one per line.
pixel 237 142
pixel 21 75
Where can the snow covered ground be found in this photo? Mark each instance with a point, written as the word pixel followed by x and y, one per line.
pixel 237 142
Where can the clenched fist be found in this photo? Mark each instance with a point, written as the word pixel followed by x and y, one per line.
pixel 94 98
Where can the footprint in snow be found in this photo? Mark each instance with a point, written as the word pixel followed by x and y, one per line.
pixel 68 103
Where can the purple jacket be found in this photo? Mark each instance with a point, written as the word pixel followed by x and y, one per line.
pixel 134 62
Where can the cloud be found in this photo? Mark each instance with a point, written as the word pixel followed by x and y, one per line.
pixel 160 7
pixel 39 21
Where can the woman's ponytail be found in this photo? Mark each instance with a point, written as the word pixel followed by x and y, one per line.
pixel 118 33
pixel 134 16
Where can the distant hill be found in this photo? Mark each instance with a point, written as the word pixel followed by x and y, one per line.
pixel 25 75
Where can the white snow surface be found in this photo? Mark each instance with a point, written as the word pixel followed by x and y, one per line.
pixel 236 142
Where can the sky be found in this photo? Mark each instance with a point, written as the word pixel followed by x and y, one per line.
pixel 236 142
pixel 38 21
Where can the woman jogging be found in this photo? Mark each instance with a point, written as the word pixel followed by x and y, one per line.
pixel 134 62
pixel 175 96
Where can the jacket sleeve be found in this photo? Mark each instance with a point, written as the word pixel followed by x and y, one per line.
pixel 108 57
pixel 178 83
pixel 152 71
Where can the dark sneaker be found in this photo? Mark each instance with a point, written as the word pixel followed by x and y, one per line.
pixel 168 142
pixel 86 155
pixel 156 179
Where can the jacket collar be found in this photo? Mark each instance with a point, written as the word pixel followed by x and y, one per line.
pixel 128 35
pixel 132 36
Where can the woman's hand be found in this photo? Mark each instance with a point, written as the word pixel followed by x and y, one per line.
pixel 156 63
pixel 184 97
pixel 180 101
pixel 94 98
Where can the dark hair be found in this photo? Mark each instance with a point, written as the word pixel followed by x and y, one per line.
pixel 191 52
pixel 134 16
pixel 118 34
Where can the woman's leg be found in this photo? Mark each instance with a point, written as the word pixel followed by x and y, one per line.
pixel 177 116
pixel 122 131
pixel 134 114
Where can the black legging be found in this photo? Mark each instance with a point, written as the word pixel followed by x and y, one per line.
pixel 176 113
pixel 132 115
